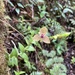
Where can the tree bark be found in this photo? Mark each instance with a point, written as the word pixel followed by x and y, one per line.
pixel 3 30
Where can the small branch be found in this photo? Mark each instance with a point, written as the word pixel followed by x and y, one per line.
pixel 17 67
pixel 8 25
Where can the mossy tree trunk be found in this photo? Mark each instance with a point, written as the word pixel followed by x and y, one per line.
pixel 3 30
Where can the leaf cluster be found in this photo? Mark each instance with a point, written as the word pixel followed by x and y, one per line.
pixel 18 54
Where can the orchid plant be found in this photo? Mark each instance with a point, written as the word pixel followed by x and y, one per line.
pixel 41 36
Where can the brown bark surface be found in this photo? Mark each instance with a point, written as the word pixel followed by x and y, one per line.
pixel 3 62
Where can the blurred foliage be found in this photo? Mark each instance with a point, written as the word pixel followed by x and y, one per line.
pixel 73 60
pixel 56 16
pixel 58 69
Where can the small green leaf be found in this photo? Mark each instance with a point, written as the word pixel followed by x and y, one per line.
pixel 62 35
pixel 40 1
pixel 51 54
pixel 72 21
pixel 36 73
pixel 63 15
pixel 30 48
pixel 22 72
pixel 14 53
pixel 27 41
pixel 60 5
pixel 39 73
pixel 24 56
pixel 49 62
pixel 19 73
pixel 28 64
pixel 45 52
pixel 10 3
pixel 42 14
pixel 73 60
pixel 13 61
pixel 21 47
pixel 37 44
pixel 58 69
pixel 59 49
pixel 58 59
pixel 17 10
pixel 20 5
pixel 67 10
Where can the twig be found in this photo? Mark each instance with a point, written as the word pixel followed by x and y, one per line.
pixel 8 25
pixel 17 67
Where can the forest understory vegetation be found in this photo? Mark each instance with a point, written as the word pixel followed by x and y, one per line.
pixel 41 37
